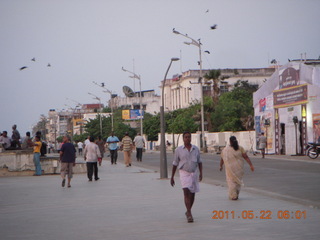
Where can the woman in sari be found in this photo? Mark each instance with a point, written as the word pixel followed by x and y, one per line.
pixel 233 157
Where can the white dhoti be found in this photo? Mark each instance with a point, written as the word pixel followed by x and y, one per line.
pixel 189 180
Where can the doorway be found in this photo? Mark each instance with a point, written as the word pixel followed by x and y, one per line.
pixel 282 139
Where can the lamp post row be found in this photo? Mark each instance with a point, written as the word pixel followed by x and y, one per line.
pixel 99 99
pixel 140 103
pixel 107 91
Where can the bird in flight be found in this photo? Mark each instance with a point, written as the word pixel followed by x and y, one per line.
pixel 24 67
pixel 273 61
pixel 213 27
pixel 207 52
pixel 207 11
pixel 33 59
pixel 49 65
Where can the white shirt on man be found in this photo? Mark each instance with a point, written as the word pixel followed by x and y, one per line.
pixel 92 152
pixel 138 141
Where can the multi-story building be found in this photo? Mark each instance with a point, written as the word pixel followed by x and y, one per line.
pixel 70 121
pixel 150 101
pixel 183 90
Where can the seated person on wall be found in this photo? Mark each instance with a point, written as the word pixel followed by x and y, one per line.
pixel 5 141
pixel 27 142
pixel 15 138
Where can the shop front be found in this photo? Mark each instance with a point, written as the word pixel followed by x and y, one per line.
pixel 287 108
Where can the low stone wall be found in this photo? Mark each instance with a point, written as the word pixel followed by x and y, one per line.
pixel 20 163
pixel 216 141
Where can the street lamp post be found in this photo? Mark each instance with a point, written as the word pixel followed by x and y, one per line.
pixel 140 111
pixel 163 151
pixel 111 106
pixel 198 44
pixel 99 99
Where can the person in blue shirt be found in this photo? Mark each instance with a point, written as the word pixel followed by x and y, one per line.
pixel 112 142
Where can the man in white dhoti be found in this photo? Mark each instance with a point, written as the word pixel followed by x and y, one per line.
pixel 187 160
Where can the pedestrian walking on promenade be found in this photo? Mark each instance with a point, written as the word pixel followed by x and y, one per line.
pixel 91 156
pixel 100 144
pixel 36 155
pixel 233 157
pixel 112 142
pixel 127 148
pixel 262 144
pixel 80 147
pixel 139 143
pixel 68 160
pixel 187 160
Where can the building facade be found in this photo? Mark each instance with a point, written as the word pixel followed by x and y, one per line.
pixel 150 101
pixel 287 107
pixel 70 121
pixel 183 90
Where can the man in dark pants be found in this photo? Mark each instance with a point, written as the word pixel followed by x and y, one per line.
pixel 68 160
pixel 112 142
pixel 139 143
pixel 91 156
pixel 187 160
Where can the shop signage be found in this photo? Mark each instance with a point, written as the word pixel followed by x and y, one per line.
pixel 289 78
pixel 291 96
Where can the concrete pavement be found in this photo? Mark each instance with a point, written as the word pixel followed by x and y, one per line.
pixel 133 203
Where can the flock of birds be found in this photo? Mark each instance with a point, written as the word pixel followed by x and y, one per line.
pixel 213 27
pixel 33 59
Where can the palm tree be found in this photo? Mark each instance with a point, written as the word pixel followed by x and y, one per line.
pixel 214 75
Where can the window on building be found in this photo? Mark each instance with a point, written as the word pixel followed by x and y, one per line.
pixel 207 90
pixel 224 89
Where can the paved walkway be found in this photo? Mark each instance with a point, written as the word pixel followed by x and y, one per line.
pixel 133 203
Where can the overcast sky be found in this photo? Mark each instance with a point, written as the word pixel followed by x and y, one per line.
pixel 90 40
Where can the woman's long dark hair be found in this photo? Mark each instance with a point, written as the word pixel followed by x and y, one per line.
pixel 234 143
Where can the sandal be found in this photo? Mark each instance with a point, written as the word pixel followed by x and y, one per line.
pixel 189 218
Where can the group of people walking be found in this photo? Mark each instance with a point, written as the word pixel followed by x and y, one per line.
pixel 93 153
pixel 186 159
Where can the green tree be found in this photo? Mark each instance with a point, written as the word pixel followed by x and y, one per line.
pixel 80 138
pixel 181 120
pixel 234 109
pixel 151 126
pixel 92 128
pixel 60 139
pixel 215 76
